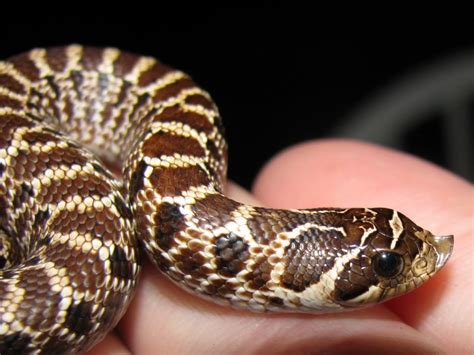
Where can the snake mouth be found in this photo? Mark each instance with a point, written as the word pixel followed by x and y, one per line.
pixel 444 249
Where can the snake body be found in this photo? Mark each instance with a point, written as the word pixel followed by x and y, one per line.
pixel 71 233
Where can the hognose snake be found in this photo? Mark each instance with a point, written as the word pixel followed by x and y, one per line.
pixel 71 233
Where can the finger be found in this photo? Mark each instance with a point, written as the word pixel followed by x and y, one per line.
pixel 351 174
pixel 164 318
pixel 111 345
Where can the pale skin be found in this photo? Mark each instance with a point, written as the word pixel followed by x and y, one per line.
pixel 438 317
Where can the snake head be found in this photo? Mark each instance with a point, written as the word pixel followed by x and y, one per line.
pixel 393 257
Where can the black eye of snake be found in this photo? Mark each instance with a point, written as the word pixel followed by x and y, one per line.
pixel 387 264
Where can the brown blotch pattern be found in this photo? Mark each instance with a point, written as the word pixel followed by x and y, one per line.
pixel 56 58
pixel 120 264
pixel 33 137
pixel 231 253
pixel 8 125
pixel 25 66
pixel 155 72
pixel 124 63
pixel 22 195
pixel 42 308
pixel 174 181
pixel 201 101
pixel 78 318
pixel 10 102
pixel 214 210
pixel 260 273
pixel 177 114
pixel 309 256
pixel 15 343
pixel 91 58
pixel 168 221
pixel 166 143
pixel 354 280
pixel 173 89
pixel 136 180
pixel 266 224
pixel 12 84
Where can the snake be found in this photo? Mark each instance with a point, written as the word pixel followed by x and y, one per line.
pixel 73 234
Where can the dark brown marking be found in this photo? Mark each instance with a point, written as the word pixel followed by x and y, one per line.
pixel 53 132
pixel 77 80
pixel 125 63
pixel 136 180
pixel 57 58
pixel 101 170
pixel 22 195
pixel 173 89
pixel 172 182
pixel 260 274
pixel 33 261
pixel 176 114
pixel 231 253
pixel 345 290
pixel 123 209
pixel 91 58
pixel 40 137
pixel 79 318
pixel 8 274
pixel 214 152
pixel 12 103
pixel 15 343
pixel 276 301
pixel 25 66
pixel 123 94
pixel 201 100
pixel 163 143
pixel 30 314
pixel 120 265
pixel 155 72
pixel 220 125
pixel 214 210
pixel 8 125
pixel 53 85
pixel 40 219
pixel 12 84
pixel 2 169
pixel 55 345
pixel 141 101
pixel 32 116
pixel 355 279
pixel 309 256
pixel 30 163
pixel 168 221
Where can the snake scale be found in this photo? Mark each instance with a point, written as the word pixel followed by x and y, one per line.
pixel 71 233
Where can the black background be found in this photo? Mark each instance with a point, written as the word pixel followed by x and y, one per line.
pixel 279 74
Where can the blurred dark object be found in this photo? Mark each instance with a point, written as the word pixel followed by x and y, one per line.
pixel 428 113
pixel 281 76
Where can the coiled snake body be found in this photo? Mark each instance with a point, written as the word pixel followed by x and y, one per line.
pixel 70 232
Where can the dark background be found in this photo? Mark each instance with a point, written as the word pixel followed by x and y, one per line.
pixel 279 74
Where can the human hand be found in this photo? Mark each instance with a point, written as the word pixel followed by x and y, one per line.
pixel 436 317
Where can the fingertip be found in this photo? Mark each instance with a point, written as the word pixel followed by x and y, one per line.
pixel 112 344
pixel 348 173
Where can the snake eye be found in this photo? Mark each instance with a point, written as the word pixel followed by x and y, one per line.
pixel 387 264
